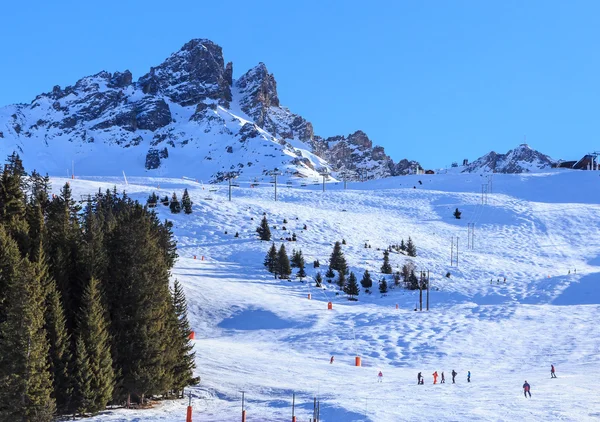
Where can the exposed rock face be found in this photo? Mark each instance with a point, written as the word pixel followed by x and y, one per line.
pixel 152 113
pixel 193 74
pixel 522 159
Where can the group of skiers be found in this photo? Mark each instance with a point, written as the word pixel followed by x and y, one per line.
pixel 421 380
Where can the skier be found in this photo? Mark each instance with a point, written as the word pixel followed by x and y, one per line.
pixel 469 376
pixel 435 375
pixel 552 372
pixel 443 379
pixel 419 376
pixel 331 360
pixel 526 388
pixel 380 377
pixel 454 374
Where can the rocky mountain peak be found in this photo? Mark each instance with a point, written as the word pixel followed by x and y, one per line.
pixel 191 75
pixel 258 89
pixel 522 159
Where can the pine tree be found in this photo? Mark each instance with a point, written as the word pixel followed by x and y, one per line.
pixel 186 202
pixel 25 378
pixel 139 303
pixel 283 263
pixel 402 245
pixel 175 205
pixel 60 355
pixel 457 214
pixel 386 268
pixel 271 259
pixel 397 278
pixel 318 280
pixel 12 202
pixel 411 249
pixel 341 281
pixel 383 287
pixel 366 281
pixel 263 230
pixel 338 261
pixel 64 252
pixel 83 394
pixel 329 274
pixel 152 200
pixel 316 264
pixel 413 281
pixel 183 371
pixel 352 286
pixel 165 200
pixel 298 259
pixel 93 331
pixel 301 273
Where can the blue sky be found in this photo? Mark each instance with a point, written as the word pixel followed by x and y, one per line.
pixel 435 81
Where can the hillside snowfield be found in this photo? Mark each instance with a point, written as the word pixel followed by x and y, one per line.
pixel 264 337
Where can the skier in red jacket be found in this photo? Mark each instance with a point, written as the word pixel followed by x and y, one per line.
pixel 526 389
pixel 552 372
pixel 435 375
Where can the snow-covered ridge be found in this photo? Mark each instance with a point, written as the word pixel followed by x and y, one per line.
pixel 186 116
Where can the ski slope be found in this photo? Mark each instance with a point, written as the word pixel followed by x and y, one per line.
pixel 266 338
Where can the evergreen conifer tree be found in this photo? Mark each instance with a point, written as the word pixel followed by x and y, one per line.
pixel 330 274
pixel 457 214
pixel 93 331
pixel 411 249
pixel 402 245
pixel 283 263
pixel 383 287
pixel 175 205
pixel 318 280
pixel 338 261
pixel 271 259
pixel 165 200
pixel 386 268
pixel 413 281
pixel 12 202
pixel 352 286
pixel 263 230
pixel 341 281
pixel 183 371
pixel 59 353
pixel 366 281
pixel 186 202
pixel 152 200
pixel 83 394
pixel 301 273
pixel 25 379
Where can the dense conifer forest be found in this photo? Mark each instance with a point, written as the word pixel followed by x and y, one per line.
pixel 88 316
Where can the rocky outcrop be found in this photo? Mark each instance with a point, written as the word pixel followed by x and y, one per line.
pixel 152 113
pixel 191 75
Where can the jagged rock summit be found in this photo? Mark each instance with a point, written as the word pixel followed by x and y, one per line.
pixel 522 159
pixel 187 116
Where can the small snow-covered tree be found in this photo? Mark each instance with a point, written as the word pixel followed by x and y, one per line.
pixel 383 287
pixel 341 281
pixel 366 281
pixel 386 268
pixel 352 286
pixel 457 214
pixel 263 230
pixel 319 280
pixel 411 249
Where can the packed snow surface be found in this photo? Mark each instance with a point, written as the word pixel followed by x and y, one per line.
pixel 265 337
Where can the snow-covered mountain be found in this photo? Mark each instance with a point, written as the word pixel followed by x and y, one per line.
pixel 188 107
pixel 522 159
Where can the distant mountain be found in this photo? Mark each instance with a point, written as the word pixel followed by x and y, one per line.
pixel 186 116
pixel 522 159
